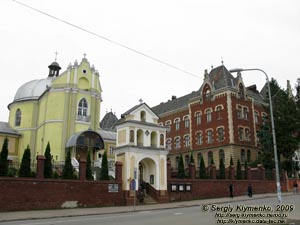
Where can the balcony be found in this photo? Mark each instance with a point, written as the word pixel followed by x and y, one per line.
pixel 83 118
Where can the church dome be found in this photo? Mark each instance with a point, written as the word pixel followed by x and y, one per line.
pixel 32 89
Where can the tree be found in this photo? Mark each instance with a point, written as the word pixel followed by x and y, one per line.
pixel 192 160
pixel 25 170
pixel 181 173
pixel 239 175
pixel 3 158
pixel 104 168
pixel 287 126
pixel 48 162
pixel 88 174
pixel 221 169
pixel 202 169
pixel 231 161
pixel 68 168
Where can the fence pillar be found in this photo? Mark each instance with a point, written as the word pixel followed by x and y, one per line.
pixel 249 173
pixel 192 171
pixel 231 173
pixel 40 166
pixel 118 166
pixel 262 171
pixel 82 169
pixel 213 174
pixel 168 170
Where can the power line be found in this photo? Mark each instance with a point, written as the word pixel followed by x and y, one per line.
pixel 107 39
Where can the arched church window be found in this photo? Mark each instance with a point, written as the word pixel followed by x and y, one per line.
pixel 82 107
pixel 153 139
pixel 131 136
pixel 161 140
pixel 143 116
pixel 18 118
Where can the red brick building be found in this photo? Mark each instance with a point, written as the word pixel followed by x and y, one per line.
pixel 220 119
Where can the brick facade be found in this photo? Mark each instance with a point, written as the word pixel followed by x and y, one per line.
pixel 224 117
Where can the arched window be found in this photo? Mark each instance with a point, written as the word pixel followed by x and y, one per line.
pixel 140 137
pixel 210 157
pixel 177 124
pixel 248 155
pixel 199 138
pixel 187 160
pixel 168 125
pixel 220 134
pixel 186 121
pixel 82 108
pixel 143 116
pixel 208 115
pixel 256 117
pixel 131 136
pixel 198 118
pixel 177 142
pixel 18 118
pixel 243 155
pixel 209 136
pixel 169 144
pixel 161 139
pixel 222 155
pixel 153 139
pixel 199 157
pixel 187 141
pixel 218 111
pixel 177 162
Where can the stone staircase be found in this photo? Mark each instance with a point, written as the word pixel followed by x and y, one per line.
pixel 149 200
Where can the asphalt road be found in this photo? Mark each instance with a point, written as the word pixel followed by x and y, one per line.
pixel 226 213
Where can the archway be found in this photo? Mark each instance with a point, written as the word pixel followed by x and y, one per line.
pixel 148 172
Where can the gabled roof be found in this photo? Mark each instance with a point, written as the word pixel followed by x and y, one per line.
pixel 5 128
pixel 136 107
pixel 174 104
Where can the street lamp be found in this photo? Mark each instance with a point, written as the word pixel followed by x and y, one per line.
pixel 273 129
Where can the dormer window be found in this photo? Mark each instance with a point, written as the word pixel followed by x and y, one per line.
pixel 206 93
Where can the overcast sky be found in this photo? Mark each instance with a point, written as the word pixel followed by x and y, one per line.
pixel 192 35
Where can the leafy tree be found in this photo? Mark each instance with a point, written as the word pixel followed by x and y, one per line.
pixel 48 162
pixel 3 158
pixel 246 170
pixel 104 168
pixel 221 169
pixel 181 173
pixel 287 126
pixel 239 175
pixel 25 170
pixel 202 169
pixel 88 174
pixel 68 168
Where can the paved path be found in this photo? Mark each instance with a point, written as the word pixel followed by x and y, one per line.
pixel 38 214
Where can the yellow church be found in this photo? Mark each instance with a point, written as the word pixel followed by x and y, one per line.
pixel 62 109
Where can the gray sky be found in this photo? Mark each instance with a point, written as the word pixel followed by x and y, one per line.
pixel 190 34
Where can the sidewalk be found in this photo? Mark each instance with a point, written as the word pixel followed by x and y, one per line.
pixel 39 214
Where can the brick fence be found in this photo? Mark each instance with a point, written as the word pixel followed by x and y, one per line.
pixel 41 193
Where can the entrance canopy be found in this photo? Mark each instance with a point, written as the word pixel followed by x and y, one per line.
pixel 88 139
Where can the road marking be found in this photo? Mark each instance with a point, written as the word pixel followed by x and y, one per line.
pixel 179 213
